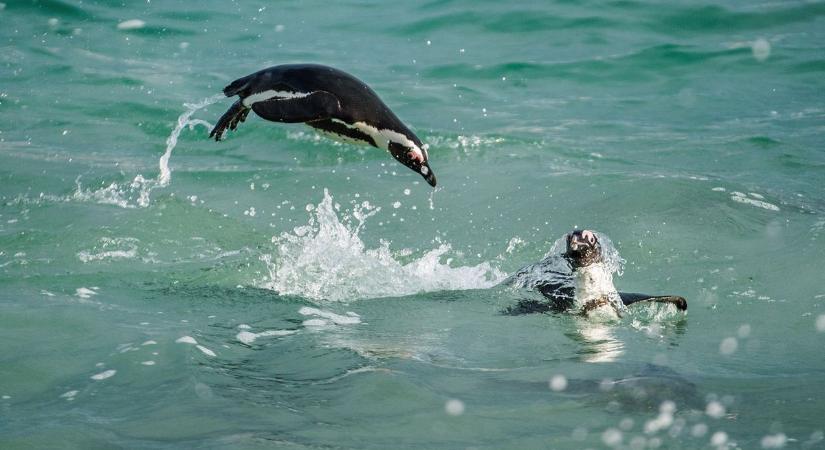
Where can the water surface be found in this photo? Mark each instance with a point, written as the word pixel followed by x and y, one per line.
pixel 280 290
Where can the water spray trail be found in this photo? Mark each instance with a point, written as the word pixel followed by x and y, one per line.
pixel 137 192
pixel 165 175
pixel 432 195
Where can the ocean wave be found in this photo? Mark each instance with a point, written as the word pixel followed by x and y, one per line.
pixel 504 22
pixel 711 18
pixel 636 65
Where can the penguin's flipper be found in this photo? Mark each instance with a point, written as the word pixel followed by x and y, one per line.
pixel 313 106
pixel 528 306
pixel 230 119
pixel 631 298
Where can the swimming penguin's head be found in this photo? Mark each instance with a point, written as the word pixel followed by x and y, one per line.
pixel 415 157
pixel 583 248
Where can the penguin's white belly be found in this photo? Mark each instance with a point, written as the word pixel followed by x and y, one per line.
pixel 595 282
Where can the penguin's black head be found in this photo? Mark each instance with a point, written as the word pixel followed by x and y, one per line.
pixel 583 248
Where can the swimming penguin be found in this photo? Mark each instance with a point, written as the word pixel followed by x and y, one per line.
pixel 578 282
pixel 329 100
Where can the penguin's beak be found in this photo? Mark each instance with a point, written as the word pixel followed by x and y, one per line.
pixel 428 174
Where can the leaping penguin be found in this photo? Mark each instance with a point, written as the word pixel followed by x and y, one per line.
pixel 327 99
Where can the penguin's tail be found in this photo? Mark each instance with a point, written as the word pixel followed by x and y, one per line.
pixel 237 87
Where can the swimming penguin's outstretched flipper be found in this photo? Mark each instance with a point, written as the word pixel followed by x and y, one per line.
pixel 631 298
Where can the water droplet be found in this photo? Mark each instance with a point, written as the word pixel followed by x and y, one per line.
pixel 558 383
pixel 699 430
pixel 774 440
pixel 719 438
pixel 761 49
pixel 454 407
pixel 612 437
pixel 715 410
pixel 820 323
pixel 728 346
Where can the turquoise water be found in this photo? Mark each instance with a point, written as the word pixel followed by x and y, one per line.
pixel 280 290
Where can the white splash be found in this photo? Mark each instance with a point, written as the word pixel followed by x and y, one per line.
pixel 326 259
pixel 83 292
pixel 206 351
pixel 465 143
pixel 248 337
pixel 133 24
pixel 315 323
pixel 350 319
pixel 514 244
pixel 740 197
pixel 110 248
pixel 187 340
pixel 104 375
pixel 136 193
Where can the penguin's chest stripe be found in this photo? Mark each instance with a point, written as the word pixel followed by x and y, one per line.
pixel 270 94
pixel 383 137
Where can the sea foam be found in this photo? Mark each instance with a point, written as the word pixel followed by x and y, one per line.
pixel 326 259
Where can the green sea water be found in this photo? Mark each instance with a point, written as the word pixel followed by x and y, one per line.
pixel 281 290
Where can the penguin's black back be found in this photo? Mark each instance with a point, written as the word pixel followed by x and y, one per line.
pixel 359 103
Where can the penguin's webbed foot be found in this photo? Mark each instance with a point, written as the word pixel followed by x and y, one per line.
pixel 240 117
pixel 230 119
